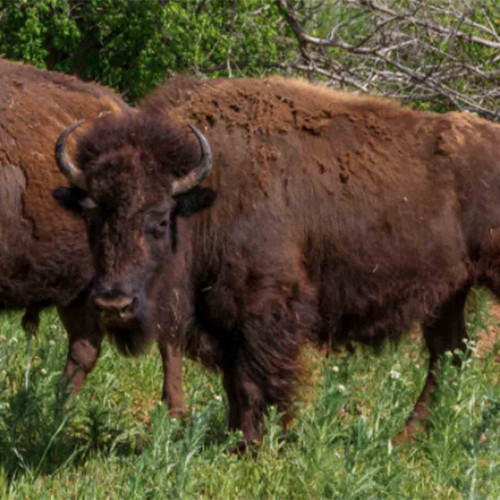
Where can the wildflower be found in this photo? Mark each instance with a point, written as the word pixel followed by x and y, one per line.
pixel 335 368
pixel 395 374
pixel 341 387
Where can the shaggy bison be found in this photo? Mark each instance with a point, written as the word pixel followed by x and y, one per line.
pixel 337 219
pixel 44 255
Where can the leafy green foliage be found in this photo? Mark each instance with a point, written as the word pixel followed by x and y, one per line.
pixel 116 441
pixel 134 45
pixel 435 56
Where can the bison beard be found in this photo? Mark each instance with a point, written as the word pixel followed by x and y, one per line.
pixel 337 219
pixel 128 342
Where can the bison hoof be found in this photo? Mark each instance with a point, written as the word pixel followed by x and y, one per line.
pixel 244 447
pixel 176 409
pixel 178 413
pixel 409 434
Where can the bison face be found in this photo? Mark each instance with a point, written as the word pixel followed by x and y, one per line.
pixel 130 204
pixel 129 249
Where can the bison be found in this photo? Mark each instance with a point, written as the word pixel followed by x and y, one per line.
pixel 328 218
pixel 44 254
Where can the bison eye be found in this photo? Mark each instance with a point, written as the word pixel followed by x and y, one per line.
pixel 89 208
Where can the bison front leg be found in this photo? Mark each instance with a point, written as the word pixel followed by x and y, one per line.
pixel 172 379
pixel 261 364
pixel 85 340
pixel 444 332
pixel 246 405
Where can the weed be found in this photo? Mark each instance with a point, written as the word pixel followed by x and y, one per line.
pixel 114 440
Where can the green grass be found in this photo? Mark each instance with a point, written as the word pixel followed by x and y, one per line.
pixel 116 441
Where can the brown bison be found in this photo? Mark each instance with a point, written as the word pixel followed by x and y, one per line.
pixel 44 255
pixel 337 219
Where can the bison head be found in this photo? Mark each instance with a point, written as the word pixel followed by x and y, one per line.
pixel 134 177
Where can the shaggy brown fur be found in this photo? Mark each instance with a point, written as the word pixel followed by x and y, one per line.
pixel 44 255
pixel 337 219
pixel 43 259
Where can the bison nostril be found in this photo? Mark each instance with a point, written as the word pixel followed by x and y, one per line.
pixel 130 308
pixel 133 305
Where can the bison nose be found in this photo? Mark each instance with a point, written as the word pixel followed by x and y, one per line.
pixel 120 307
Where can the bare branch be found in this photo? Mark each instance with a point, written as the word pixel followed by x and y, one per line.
pixel 435 27
pixel 423 54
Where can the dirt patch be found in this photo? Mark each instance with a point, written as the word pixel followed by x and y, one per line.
pixel 487 339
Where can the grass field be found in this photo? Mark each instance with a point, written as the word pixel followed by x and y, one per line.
pixel 117 441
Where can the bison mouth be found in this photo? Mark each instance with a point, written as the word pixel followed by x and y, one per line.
pixel 117 312
pixel 123 319
pixel 116 305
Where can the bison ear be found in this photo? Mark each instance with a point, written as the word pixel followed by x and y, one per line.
pixel 193 201
pixel 70 198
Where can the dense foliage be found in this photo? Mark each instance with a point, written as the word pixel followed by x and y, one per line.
pixel 434 54
pixel 134 45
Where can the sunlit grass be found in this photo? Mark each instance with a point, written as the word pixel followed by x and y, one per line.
pixel 116 441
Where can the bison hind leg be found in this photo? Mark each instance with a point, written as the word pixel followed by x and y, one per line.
pixel 445 331
pixel 30 323
pixel 31 319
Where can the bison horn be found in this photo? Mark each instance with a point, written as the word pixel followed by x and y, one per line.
pixel 73 173
pixel 198 173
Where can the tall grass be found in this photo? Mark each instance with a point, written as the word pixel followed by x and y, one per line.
pixel 116 441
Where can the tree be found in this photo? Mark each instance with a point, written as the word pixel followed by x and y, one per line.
pixel 436 54
pixel 133 45
pixel 440 54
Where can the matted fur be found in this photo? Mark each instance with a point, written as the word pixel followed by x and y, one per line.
pixel 375 192
pixel 337 219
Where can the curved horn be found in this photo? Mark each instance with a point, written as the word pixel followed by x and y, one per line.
pixel 73 174
pixel 198 173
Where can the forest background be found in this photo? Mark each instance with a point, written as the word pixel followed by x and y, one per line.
pixel 436 54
